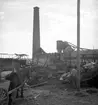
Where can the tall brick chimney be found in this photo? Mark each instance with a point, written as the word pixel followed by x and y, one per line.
pixel 36 31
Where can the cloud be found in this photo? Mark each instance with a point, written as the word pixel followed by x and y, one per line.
pixel 1 13
pixel 20 42
pixel 58 20
pixel 1 17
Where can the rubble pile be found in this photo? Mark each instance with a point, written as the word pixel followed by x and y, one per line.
pixel 45 96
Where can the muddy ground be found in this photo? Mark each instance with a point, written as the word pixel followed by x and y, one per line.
pixel 56 93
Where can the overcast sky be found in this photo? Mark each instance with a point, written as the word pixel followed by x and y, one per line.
pixel 58 21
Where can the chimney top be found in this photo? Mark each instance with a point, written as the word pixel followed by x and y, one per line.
pixel 36 7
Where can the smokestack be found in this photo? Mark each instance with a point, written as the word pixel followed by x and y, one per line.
pixel 36 32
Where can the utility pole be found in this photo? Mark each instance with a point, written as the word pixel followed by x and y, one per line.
pixel 93 55
pixel 78 42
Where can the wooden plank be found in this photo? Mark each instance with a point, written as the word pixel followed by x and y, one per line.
pixel 39 84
